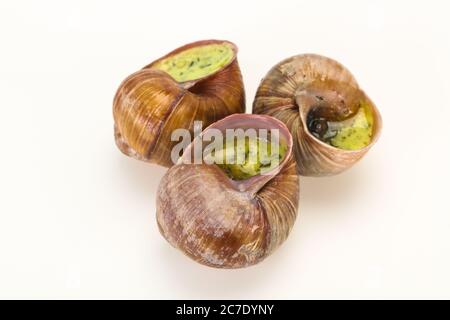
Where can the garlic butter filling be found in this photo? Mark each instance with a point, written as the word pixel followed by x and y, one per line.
pixel 246 157
pixel 197 62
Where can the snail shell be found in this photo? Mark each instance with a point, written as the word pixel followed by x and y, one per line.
pixel 227 223
pixel 150 104
pixel 295 86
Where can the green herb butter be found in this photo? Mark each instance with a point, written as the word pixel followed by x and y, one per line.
pixel 197 62
pixel 241 160
pixel 358 134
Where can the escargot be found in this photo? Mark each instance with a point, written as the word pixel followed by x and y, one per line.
pixel 332 121
pixel 231 214
pixel 198 81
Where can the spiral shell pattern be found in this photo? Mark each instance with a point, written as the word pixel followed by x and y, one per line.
pixel 150 104
pixel 289 91
pixel 223 223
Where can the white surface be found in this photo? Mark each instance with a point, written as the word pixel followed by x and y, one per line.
pixel 77 218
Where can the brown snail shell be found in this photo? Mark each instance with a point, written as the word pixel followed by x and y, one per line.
pixel 289 92
pixel 150 104
pixel 225 223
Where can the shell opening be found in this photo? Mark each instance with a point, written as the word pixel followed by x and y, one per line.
pixel 197 62
pixel 340 116
pixel 349 133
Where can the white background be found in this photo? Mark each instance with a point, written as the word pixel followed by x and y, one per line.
pixel 77 218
